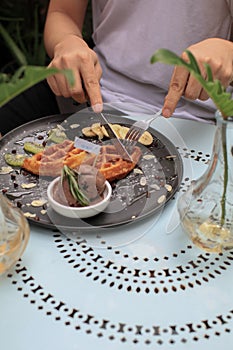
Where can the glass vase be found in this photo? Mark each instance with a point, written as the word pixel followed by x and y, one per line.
pixel 14 234
pixel 206 209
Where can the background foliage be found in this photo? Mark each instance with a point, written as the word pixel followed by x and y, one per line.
pixel 21 30
pixel 21 33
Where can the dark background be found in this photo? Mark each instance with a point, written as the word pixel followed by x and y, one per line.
pixel 24 21
pixel 22 24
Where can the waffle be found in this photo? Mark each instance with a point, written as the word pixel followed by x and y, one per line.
pixel 108 161
pixel 75 157
pixel 50 161
pixel 111 164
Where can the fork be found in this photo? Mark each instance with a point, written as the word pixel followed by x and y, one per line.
pixel 137 129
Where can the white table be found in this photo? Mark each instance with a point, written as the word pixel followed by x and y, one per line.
pixel 139 286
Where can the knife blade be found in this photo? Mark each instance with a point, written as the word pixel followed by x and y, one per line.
pixel 114 139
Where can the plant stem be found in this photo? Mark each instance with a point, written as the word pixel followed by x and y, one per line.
pixel 225 182
pixel 18 54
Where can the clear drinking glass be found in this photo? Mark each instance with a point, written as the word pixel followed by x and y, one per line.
pixel 14 234
pixel 206 209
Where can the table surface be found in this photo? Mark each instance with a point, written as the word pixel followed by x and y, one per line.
pixel 138 286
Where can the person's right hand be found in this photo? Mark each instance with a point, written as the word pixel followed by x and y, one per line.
pixel 218 54
pixel 73 53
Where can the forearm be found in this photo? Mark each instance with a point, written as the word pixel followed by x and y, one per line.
pixel 64 44
pixel 64 18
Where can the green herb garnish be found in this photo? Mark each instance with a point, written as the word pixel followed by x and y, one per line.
pixel 70 175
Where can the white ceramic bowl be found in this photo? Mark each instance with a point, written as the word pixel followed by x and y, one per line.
pixel 79 212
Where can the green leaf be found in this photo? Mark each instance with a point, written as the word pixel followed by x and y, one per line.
pixel 193 63
pixel 167 57
pixel 209 72
pixel 214 88
pixel 24 78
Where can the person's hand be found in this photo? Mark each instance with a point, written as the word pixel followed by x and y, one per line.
pixel 73 53
pixel 218 53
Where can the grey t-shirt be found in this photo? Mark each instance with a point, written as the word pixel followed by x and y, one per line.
pixel 128 32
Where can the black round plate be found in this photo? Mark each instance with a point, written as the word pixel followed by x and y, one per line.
pixel 133 198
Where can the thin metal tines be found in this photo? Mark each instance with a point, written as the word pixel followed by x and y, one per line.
pixel 138 128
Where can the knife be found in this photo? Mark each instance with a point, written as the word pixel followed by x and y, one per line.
pixel 114 139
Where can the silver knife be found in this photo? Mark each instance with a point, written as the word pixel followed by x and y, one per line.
pixel 115 140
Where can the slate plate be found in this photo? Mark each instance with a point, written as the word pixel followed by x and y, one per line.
pixel 141 193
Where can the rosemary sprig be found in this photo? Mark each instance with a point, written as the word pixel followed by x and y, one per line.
pixel 73 185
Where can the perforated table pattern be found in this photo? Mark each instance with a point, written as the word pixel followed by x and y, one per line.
pixel 142 285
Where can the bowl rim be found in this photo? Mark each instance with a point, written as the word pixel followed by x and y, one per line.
pixel 80 209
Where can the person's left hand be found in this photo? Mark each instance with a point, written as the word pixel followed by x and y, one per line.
pixel 218 53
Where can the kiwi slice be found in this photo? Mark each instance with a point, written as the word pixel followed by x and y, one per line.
pixel 33 147
pixel 14 159
pixel 57 135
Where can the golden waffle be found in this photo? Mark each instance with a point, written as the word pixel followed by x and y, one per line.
pixel 50 161
pixel 111 164
pixel 108 161
pixel 75 157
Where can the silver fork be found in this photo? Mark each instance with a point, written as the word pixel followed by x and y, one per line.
pixel 137 129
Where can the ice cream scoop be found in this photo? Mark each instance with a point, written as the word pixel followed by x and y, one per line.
pixel 81 186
